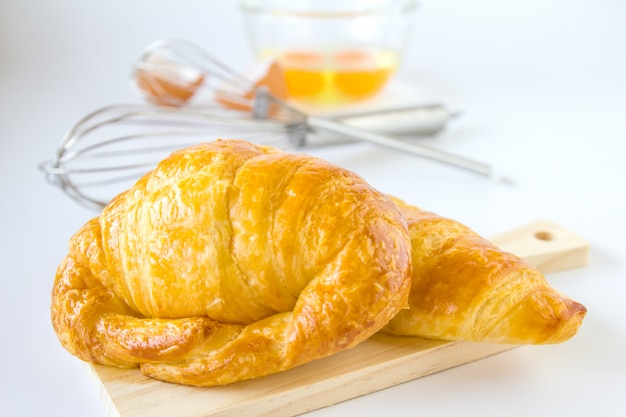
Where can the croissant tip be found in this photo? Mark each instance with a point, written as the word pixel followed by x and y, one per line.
pixel 569 322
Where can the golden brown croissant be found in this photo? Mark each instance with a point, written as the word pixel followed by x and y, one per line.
pixel 231 261
pixel 465 288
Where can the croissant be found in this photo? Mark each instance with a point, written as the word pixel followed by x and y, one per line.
pixel 231 261
pixel 465 288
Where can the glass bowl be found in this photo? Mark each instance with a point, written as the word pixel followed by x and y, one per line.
pixel 331 50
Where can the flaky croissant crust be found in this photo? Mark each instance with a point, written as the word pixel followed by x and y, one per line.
pixel 231 261
pixel 465 288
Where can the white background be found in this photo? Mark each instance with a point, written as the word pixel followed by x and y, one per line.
pixel 542 85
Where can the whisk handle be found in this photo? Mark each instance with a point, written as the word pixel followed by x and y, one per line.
pixel 413 120
pixel 397 144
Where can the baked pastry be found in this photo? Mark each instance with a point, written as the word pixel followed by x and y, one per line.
pixel 231 261
pixel 465 288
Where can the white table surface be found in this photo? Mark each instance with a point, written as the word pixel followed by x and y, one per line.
pixel 542 85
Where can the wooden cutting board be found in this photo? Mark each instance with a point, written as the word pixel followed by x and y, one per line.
pixel 379 362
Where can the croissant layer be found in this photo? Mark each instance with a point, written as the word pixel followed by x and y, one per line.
pixel 231 261
pixel 465 288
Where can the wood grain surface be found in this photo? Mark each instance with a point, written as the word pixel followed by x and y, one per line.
pixel 379 362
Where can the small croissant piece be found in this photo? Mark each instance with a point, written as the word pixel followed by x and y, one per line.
pixel 465 288
pixel 231 261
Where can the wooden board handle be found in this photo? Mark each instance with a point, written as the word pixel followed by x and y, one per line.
pixel 546 245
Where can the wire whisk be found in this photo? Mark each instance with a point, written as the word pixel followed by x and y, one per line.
pixel 109 149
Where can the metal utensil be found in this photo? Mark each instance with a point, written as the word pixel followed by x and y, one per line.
pixel 110 148
pixel 169 57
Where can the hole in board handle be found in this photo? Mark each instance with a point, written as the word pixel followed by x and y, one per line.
pixel 547 236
